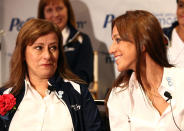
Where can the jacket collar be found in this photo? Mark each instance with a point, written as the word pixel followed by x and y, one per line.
pixel 73 34
pixel 168 31
pixel 61 87
pixel 8 117
pixel 167 83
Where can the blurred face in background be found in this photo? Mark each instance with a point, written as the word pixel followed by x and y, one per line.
pixel 42 57
pixel 180 12
pixel 57 12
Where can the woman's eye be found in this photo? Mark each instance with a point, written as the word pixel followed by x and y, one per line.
pixel 38 48
pixel 118 40
pixel 49 10
pixel 59 8
pixel 181 5
pixel 53 48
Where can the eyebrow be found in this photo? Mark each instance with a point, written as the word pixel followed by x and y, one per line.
pixel 52 43
pixel 115 35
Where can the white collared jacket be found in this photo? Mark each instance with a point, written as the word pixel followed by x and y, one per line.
pixel 131 110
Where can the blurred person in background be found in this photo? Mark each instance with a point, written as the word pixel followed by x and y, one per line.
pixel 175 35
pixel 77 45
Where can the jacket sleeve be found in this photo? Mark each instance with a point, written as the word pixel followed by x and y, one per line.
pixel 2 126
pixel 84 65
pixel 92 119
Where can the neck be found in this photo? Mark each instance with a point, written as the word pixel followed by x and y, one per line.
pixel 151 74
pixel 40 85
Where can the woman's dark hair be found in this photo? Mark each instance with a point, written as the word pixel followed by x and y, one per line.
pixel 71 17
pixel 176 1
pixel 143 29
pixel 29 33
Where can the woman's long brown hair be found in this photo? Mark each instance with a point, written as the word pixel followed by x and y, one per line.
pixel 143 29
pixel 31 31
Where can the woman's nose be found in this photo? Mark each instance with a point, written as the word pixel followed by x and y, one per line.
pixel 112 48
pixel 47 54
pixel 55 13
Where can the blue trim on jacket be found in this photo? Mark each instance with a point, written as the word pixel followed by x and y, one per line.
pixel 85 118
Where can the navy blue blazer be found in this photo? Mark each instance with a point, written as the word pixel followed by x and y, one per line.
pixel 79 54
pixel 84 112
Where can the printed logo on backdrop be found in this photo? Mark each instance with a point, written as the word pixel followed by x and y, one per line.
pixel 81 24
pixel 165 19
pixel 17 23
pixel 108 20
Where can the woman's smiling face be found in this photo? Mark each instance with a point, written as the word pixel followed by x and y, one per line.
pixel 123 51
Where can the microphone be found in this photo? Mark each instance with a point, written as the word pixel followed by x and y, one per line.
pixel 168 95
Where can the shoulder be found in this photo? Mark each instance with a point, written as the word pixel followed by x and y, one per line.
pixel 84 35
pixel 119 90
pixel 82 89
pixel 174 71
pixel 75 34
pixel 1 90
pixel 168 30
pixel 118 104
pixel 75 85
pixel 83 38
pixel 74 31
pixel 5 90
pixel 118 94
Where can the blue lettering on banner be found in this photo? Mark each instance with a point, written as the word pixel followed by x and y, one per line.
pixel 109 59
pixel 17 23
pixel 108 20
pixel 166 19
pixel 80 24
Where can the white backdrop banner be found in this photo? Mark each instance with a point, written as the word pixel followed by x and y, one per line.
pixel 93 17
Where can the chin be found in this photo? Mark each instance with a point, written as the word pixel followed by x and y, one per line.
pixel 61 26
pixel 47 75
pixel 121 69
